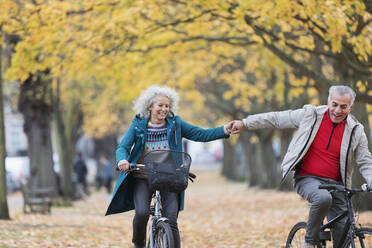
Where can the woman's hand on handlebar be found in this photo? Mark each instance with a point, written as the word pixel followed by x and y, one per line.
pixel 123 165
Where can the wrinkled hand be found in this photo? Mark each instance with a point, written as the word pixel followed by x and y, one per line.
pixel 235 127
pixel 123 165
pixel 228 127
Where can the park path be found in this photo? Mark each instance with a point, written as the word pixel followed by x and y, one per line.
pixel 218 213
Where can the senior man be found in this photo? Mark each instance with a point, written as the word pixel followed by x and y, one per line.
pixel 327 141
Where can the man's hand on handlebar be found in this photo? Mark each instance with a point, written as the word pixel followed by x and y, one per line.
pixel 366 188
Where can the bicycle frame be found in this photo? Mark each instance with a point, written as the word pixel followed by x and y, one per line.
pixel 349 228
pixel 155 209
pixel 156 217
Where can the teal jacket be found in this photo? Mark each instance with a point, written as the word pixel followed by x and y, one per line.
pixel 132 146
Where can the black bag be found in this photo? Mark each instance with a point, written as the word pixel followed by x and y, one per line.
pixel 166 177
pixel 170 174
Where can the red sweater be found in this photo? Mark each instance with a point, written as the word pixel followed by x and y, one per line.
pixel 323 157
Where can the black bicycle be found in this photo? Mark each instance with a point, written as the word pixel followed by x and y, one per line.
pixel 353 236
pixel 169 171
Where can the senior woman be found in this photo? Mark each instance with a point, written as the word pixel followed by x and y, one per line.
pixel 154 127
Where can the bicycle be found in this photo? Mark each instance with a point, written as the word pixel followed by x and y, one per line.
pixel 352 236
pixel 160 234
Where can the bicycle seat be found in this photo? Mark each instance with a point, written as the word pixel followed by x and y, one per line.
pixel 332 187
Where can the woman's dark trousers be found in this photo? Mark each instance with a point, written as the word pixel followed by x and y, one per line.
pixel 142 197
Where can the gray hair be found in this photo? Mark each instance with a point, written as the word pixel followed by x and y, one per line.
pixel 148 96
pixel 342 90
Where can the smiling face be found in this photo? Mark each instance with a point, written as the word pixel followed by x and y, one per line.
pixel 339 106
pixel 159 109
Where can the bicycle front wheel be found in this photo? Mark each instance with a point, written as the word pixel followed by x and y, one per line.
pixel 296 236
pixel 363 238
pixel 163 237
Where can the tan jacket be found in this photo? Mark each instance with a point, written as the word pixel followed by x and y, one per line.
pixel 354 146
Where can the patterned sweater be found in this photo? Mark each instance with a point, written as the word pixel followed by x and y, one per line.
pixel 156 139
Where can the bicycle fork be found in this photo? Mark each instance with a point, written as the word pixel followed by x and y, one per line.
pixel 157 217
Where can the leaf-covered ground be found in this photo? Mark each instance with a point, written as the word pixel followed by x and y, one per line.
pixel 218 213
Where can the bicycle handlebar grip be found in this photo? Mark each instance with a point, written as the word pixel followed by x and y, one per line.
pixel 192 175
pixel 325 187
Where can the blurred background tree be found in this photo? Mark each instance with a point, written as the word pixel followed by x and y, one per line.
pixel 227 59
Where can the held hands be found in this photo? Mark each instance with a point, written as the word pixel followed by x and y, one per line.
pixel 235 127
pixel 123 165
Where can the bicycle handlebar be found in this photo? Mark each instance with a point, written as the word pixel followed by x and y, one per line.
pixel 341 188
pixel 135 167
pixel 192 175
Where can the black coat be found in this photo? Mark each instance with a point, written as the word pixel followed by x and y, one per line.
pixel 80 169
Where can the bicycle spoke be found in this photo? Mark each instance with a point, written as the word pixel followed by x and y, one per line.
pixel 363 242
pixel 164 239
pixel 296 237
pixel 299 238
pixel 163 236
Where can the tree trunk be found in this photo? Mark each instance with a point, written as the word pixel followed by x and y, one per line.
pixel 65 156
pixel 360 111
pixel 234 165
pixel 33 104
pixel 316 64
pixel 269 163
pixel 66 125
pixel 254 170
pixel 4 211
pixel 105 146
pixel 240 163
pixel 228 166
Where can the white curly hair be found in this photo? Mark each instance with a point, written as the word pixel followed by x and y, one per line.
pixel 148 96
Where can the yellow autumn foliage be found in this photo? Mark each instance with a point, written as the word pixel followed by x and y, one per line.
pixel 114 49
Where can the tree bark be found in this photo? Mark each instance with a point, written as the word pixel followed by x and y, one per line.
pixel 229 165
pixel 254 169
pixel 36 109
pixel 240 163
pixel 316 65
pixel 66 125
pixel 268 161
pixel 65 158
pixel 4 211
